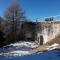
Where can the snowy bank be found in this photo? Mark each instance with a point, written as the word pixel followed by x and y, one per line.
pixel 15 53
pixel 48 55
pixel 18 49
pixel 53 46
pixel 25 44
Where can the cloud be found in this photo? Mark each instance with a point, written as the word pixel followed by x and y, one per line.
pixel 51 16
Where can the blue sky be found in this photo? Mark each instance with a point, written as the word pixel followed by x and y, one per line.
pixel 34 8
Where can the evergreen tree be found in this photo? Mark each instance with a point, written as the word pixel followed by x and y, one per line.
pixel 2 39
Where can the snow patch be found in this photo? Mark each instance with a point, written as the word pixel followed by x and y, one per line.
pixel 18 49
pixel 15 53
pixel 26 44
pixel 53 46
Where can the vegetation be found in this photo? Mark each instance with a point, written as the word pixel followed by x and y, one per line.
pixel 14 26
pixel 55 40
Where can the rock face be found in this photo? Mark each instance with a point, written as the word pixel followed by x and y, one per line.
pixel 55 40
pixel 48 30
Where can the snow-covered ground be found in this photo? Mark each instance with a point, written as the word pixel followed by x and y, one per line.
pixel 15 53
pixel 48 55
pixel 53 46
pixel 26 44
pixel 20 51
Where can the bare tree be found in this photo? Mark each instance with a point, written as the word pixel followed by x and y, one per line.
pixel 13 15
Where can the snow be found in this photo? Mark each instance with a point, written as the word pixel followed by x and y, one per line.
pixel 53 46
pixel 49 55
pixel 15 53
pixel 26 44
pixel 18 49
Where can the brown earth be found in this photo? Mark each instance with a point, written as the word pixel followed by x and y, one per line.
pixel 55 40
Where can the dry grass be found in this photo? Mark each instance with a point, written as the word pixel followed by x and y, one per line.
pixel 40 48
pixel 45 46
pixel 55 40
